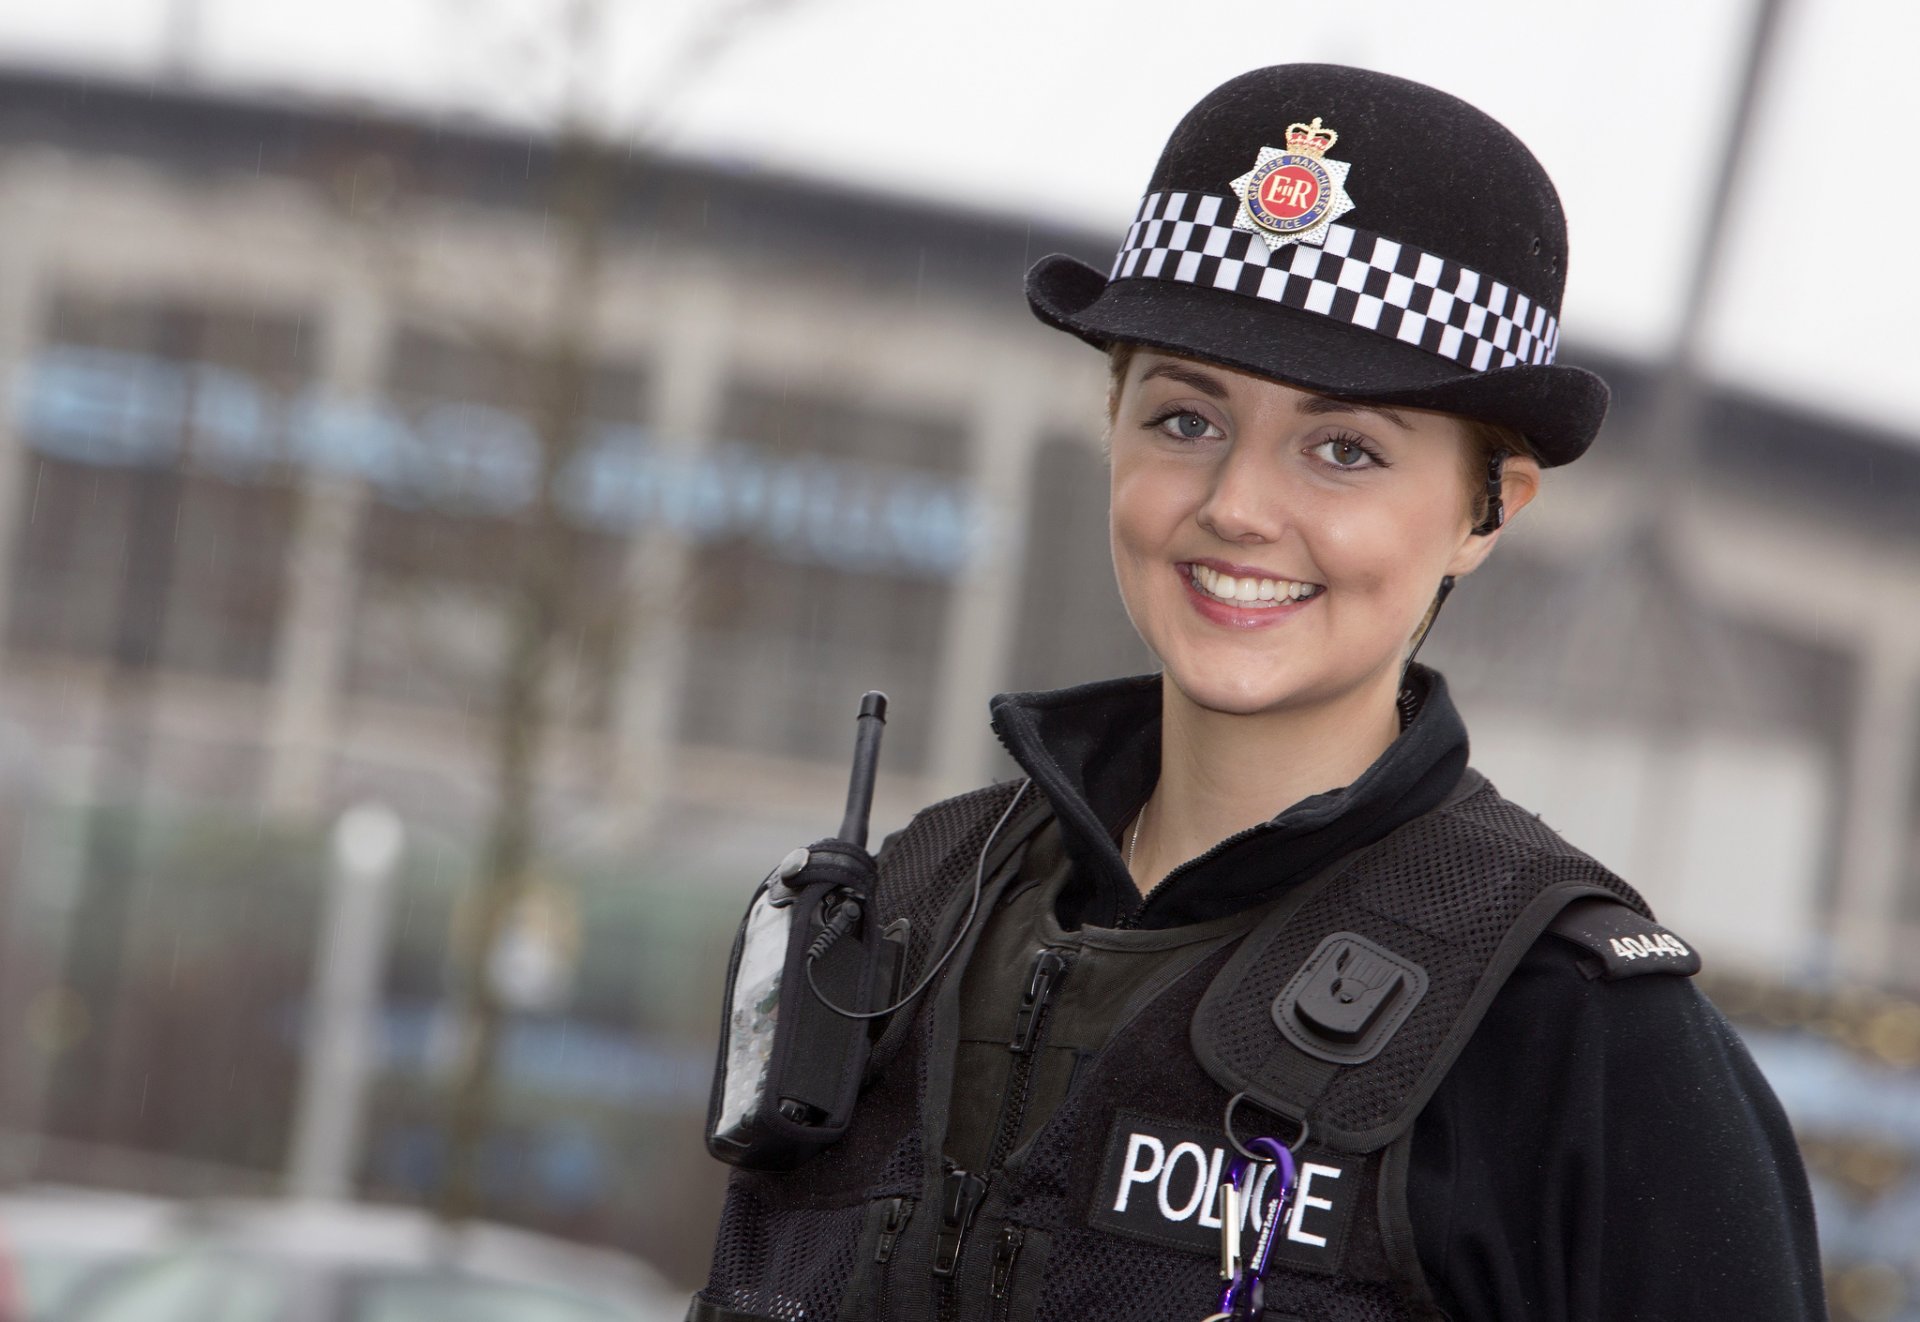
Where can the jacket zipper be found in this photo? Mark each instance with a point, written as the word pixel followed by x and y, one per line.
pixel 1004 1256
pixel 898 1212
pixel 964 1192
pixel 1029 1022
pixel 960 1198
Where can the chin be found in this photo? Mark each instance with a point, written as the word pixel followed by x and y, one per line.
pixel 1246 686
pixel 1233 691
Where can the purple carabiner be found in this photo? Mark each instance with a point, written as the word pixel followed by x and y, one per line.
pixel 1241 1299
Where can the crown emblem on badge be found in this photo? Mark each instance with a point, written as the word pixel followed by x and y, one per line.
pixel 1293 193
pixel 1311 139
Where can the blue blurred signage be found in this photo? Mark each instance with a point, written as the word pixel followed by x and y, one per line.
pixel 103 407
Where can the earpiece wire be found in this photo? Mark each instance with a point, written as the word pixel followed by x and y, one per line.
pixel 973 908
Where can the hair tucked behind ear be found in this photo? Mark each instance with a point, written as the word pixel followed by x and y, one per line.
pixel 1119 359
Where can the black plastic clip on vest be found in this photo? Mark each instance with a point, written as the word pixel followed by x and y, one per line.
pixel 1348 999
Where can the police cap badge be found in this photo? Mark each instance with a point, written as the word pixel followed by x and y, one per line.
pixel 1293 193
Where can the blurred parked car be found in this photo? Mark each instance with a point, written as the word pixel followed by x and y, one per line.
pixel 13 1305
pixel 54 1240
pixel 235 1261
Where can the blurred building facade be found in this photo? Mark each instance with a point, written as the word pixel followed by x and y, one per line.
pixel 257 442
pixel 256 426
pixel 254 414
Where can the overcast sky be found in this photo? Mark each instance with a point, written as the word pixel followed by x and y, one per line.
pixel 1059 107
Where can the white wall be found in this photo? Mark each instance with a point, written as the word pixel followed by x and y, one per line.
pixel 1723 832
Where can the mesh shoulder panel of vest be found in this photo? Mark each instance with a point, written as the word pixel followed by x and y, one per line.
pixel 1460 894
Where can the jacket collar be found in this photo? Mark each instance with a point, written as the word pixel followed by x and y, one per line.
pixel 1094 751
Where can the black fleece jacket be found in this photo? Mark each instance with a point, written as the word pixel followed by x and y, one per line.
pixel 1601 1151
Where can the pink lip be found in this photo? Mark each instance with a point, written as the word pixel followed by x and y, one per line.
pixel 1238 571
pixel 1239 617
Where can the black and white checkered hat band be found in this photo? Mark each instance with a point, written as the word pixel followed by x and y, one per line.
pixel 1354 276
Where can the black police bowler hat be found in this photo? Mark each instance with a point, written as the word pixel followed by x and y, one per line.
pixel 1438 287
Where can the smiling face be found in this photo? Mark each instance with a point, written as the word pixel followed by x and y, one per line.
pixel 1278 549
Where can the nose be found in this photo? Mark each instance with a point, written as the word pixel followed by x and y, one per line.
pixel 1246 500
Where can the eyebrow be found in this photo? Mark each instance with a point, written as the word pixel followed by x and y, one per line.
pixel 1318 405
pixel 1204 382
pixel 1321 404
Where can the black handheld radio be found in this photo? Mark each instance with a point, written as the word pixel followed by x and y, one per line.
pixel 809 967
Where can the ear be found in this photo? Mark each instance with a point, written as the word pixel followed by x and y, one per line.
pixel 1519 484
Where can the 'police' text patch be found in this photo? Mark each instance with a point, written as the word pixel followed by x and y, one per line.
pixel 1161 1182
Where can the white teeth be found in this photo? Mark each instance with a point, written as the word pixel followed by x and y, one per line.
pixel 1250 590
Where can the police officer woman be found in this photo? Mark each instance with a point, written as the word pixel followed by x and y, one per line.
pixel 1251 925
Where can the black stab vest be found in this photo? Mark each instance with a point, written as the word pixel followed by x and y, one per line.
pixel 1341 1010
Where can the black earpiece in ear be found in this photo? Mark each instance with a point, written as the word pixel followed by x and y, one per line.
pixel 1496 507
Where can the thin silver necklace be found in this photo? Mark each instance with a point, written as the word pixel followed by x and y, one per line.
pixel 1134 839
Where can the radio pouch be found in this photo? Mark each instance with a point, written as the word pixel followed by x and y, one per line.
pixel 790 1065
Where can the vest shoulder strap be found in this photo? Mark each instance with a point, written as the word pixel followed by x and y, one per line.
pixel 922 862
pixel 1346 1007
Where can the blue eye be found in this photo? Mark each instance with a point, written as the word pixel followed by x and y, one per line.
pixel 1348 452
pixel 1183 424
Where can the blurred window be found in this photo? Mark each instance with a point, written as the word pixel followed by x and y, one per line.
pixel 794 421
pixel 153 518
pixel 434 614
pixel 1072 626
pixel 456 1299
pixel 782 648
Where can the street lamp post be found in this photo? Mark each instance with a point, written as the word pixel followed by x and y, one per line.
pixel 343 1006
